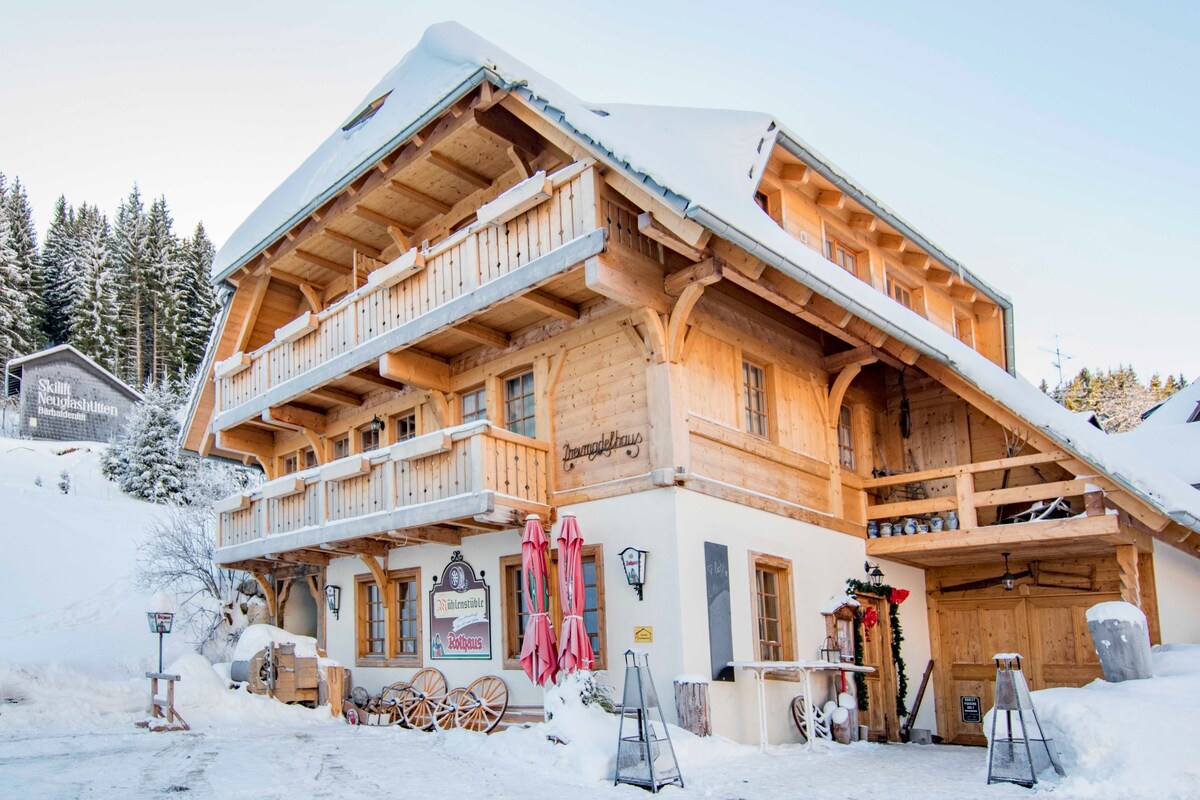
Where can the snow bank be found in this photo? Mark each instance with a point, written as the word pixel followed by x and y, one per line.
pixel 1133 739
pixel 256 637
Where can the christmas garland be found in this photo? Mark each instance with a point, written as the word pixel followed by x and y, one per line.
pixel 894 597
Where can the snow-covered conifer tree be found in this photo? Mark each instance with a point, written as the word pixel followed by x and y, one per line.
pixel 15 320
pixel 56 267
pixel 131 261
pixel 198 297
pixel 23 238
pixel 145 460
pixel 92 297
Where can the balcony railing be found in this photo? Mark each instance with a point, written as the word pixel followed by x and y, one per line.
pixel 540 231
pixel 474 475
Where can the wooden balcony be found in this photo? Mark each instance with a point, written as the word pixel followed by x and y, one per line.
pixel 1092 529
pixel 536 231
pixel 436 487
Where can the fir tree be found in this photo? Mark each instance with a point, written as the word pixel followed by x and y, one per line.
pixel 23 239
pixel 131 262
pixel 197 296
pixel 146 460
pixel 56 265
pixel 92 308
pixel 15 320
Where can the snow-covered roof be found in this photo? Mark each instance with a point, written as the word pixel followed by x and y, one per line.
pixel 1175 410
pixel 705 164
pixel 1167 439
pixel 66 348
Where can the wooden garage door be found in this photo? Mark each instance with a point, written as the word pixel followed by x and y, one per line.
pixel 1049 632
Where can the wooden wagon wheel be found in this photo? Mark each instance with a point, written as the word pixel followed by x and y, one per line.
pixel 445 715
pixel 485 704
pixel 798 716
pixel 420 699
pixel 389 701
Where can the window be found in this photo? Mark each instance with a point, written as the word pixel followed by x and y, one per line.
pixel 516 618
pixel 845 433
pixel 405 426
pixel 368 439
pixel 842 255
pixel 290 464
pixel 899 292
pixel 519 405
pixel 474 405
pixel 310 458
pixel 366 113
pixel 372 636
pixel 377 645
pixel 341 447
pixel 773 608
pixel 754 392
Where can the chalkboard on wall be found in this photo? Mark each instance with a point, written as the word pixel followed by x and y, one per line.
pixel 720 620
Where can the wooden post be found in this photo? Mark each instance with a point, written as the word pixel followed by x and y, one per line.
pixel 964 485
pixel 1127 562
pixel 691 704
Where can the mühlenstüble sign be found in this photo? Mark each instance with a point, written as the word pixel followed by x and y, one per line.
pixel 459 626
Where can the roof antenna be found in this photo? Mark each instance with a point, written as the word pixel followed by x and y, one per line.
pixel 1059 357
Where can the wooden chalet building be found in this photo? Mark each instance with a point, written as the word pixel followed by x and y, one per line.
pixel 483 298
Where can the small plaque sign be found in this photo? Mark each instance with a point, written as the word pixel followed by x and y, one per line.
pixel 972 709
pixel 643 634
pixel 459 602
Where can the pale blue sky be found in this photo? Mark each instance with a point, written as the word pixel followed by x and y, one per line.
pixel 1050 147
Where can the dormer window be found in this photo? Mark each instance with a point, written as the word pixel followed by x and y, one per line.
pixel 366 113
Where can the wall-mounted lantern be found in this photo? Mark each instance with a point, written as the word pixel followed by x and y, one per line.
pixel 634 562
pixel 333 599
pixel 874 573
pixel 377 425
pixel 1008 580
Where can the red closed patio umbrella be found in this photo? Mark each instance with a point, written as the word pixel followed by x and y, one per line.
pixel 539 656
pixel 575 646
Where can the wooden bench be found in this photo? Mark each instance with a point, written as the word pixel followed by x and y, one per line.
pixel 163 716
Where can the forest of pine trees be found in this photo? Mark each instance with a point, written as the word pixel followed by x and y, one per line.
pixel 130 293
pixel 1117 396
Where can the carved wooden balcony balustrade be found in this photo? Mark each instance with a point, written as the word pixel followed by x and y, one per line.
pixel 435 487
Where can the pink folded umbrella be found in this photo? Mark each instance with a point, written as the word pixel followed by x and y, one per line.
pixel 539 656
pixel 575 647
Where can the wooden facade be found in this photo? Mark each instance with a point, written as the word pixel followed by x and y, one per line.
pixel 494 245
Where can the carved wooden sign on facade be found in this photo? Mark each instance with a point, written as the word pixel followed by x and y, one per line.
pixel 606 445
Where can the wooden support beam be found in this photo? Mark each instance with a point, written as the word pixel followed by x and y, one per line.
pixel 435 534
pixel 459 171
pixel 520 162
pixel 311 296
pixel 677 323
pixel 829 198
pixel 321 261
pixel 649 227
pixel 482 334
pixel 382 220
pixel 501 126
pixel 938 275
pixel 339 396
pixel 916 260
pixel 631 280
pixel 891 241
pixel 416 369
pixel 1127 564
pixel 358 547
pixel 317 444
pixel 357 244
pixel 838 391
pixel 304 557
pixel 417 196
pixel 257 291
pixel 860 356
pixel 795 173
pixel 964 489
pixel 403 242
pixel 549 304
pixel 706 272
pixel 960 291
pixel 985 309
pixel 379 573
pixel 296 417
pixel 370 376
pixel 267 585
pixel 246 441
pixel 864 222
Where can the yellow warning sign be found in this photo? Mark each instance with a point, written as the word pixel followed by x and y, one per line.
pixel 643 634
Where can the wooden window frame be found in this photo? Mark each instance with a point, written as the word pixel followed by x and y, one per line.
pixel 481 404
pixel 782 567
pixel 395 419
pixel 389 657
pixel 963 320
pixel 290 463
pixel 360 435
pixel 832 243
pixel 310 457
pixel 846 423
pixel 749 414
pixel 505 401
pixel 333 446
pixel 511 609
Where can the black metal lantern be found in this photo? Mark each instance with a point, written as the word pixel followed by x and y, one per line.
pixel 1008 580
pixel 634 562
pixel 377 425
pixel 160 623
pixel 874 573
pixel 831 651
pixel 333 599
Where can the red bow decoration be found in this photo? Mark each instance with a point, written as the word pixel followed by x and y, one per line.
pixel 870 620
pixel 898 596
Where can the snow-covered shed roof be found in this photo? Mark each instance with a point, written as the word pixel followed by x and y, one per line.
pixel 1175 410
pixel 706 165
pixel 120 385
pixel 1167 438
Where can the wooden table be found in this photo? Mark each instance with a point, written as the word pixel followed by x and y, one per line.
pixel 803 668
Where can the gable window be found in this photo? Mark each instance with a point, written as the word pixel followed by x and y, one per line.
pixel 405 426
pixel 519 404
pixel 516 618
pixel 899 291
pixel 341 447
pixel 368 111
pixel 773 608
pixel 842 255
pixel 754 396
pixel 474 405
pixel 845 434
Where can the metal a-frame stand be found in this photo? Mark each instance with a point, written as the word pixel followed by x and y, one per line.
pixel 645 757
pixel 1021 751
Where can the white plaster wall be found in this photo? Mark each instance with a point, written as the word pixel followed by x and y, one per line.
pixel 300 611
pixel 644 520
pixel 821 559
pixel 1177 579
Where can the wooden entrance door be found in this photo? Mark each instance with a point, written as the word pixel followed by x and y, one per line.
pixel 1050 632
pixel 880 716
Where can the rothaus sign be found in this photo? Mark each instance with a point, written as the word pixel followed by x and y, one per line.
pixel 459 604
pixel 606 445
